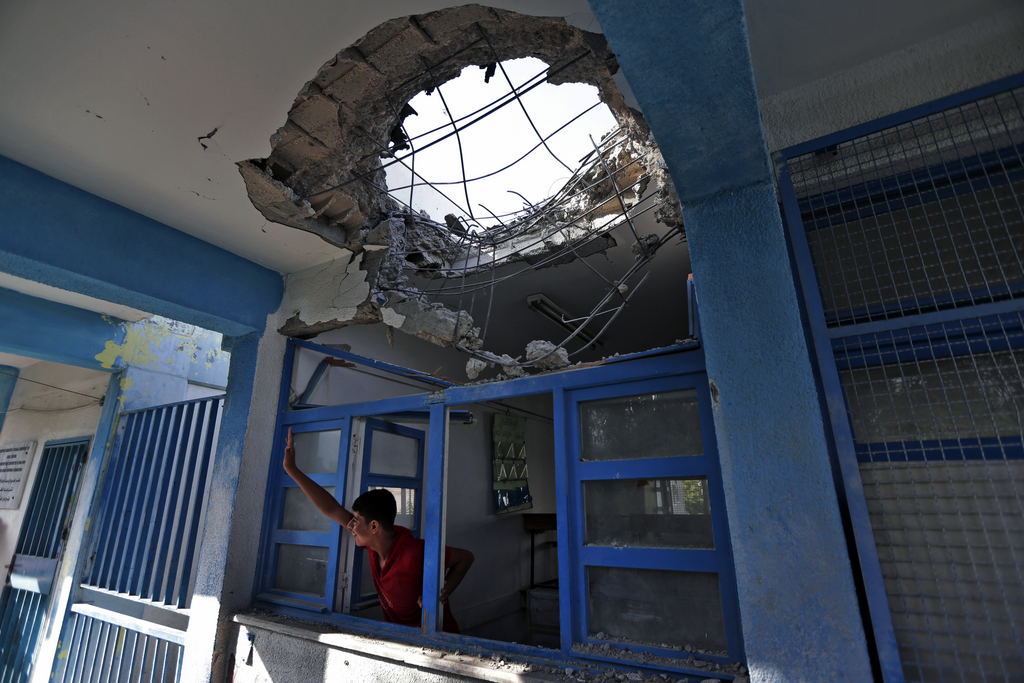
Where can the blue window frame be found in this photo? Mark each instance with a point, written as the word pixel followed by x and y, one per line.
pixel 689 476
pixel 664 545
pixel 397 465
pixel 303 546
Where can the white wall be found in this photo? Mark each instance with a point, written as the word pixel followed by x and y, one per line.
pixel 499 542
pixel 965 57
pixel 42 414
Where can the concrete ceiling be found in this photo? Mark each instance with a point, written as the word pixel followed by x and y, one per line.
pixel 113 96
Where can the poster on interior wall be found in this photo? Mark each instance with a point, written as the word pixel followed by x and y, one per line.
pixel 511 485
pixel 15 461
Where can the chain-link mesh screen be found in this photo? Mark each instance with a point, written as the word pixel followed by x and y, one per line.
pixel 921 217
pixel 938 438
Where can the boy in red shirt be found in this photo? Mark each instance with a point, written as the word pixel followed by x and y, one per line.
pixel 396 558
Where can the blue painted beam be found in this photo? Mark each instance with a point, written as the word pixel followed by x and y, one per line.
pixel 689 66
pixel 62 236
pixel 8 380
pixel 37 328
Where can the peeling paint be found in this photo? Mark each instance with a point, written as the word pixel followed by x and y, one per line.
pixel 126 384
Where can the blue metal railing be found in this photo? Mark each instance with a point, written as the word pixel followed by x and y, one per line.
pixel 153 502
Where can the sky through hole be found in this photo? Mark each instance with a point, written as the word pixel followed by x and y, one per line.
pixel 495 142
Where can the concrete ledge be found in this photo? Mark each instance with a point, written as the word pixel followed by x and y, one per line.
pixel 331 653
pixel 439 661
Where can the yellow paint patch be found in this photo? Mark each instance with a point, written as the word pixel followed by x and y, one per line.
pixel 126 384
pixel 138 347
pixel 109 355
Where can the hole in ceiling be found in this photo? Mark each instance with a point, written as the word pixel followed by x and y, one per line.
pixel 444 194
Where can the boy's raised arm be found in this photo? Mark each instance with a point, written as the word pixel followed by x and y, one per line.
pixel 323 500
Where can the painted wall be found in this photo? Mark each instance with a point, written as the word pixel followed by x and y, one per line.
pixel 43 414
pixel 965 57
pixel 161 358
pixel 277 658
pixel 798 607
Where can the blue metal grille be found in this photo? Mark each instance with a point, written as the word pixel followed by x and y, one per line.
pixel 938 439
pixel 909 239
pixel 925 215
pixel 23 612
pixel 21 616
pixel 154 496
pixel 101 651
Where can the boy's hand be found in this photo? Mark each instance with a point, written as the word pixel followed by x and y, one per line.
pixel 289 452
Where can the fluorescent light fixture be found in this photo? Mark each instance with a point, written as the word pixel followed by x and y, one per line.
pixel 556 314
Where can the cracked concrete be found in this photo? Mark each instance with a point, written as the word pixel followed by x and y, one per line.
pixel 324 173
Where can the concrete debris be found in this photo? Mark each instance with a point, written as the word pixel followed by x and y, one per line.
pixel 545 356
pixel 645 245
pixel 511 370
pixel 474 366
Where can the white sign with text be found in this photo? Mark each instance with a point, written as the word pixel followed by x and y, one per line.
pixel 15 462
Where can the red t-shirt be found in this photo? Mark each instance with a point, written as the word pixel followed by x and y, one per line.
pixel 400 582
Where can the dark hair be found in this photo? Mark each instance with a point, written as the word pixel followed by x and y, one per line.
pixel 377 505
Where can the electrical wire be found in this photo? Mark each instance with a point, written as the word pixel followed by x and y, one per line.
pixel 69 391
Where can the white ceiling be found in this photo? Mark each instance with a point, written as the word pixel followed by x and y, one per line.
pixel 112 95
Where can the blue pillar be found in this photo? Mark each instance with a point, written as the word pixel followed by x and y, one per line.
pixel 206 641
pixel 688 64
pixel 8 380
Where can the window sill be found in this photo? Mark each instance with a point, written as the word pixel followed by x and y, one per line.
pixel 429 657
pixel 467 661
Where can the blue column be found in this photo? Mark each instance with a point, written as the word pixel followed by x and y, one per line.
pixel 8 379
pixel 206 639
pixel 689 65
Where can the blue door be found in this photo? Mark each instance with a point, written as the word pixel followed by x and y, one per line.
pixel 25 601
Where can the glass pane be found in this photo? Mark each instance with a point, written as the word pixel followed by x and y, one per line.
pixel 300 514
pixel 394 454
pixel 656 607
pixel 317 452
pixel 301 569
pixel 648 513
pixel 405 500
pixel 366 587
pixel 642 426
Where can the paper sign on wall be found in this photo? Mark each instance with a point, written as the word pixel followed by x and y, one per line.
pixel 15 461
pixel 511 485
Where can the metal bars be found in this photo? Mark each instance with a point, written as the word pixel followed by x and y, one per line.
pixel 919 223
pixel 94 650
pixel 23 612
pixel 41 535
pixel 922 216
pixel 154 501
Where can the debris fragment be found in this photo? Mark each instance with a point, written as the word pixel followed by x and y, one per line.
pixel 545 356
pixel 474 366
